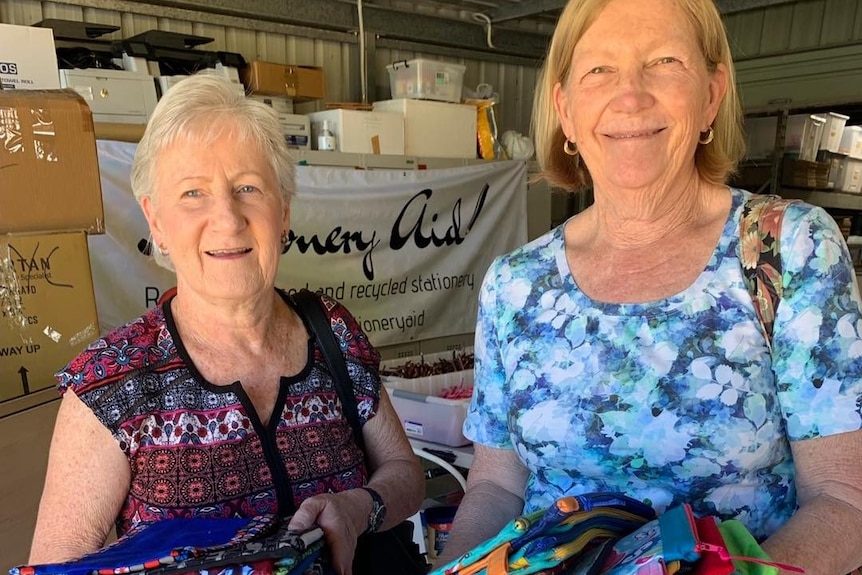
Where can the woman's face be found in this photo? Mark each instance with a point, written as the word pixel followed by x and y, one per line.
pixel 217 209
pixel 638 95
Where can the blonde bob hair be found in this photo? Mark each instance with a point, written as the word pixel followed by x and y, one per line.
pixel 715 161
pixel 205 107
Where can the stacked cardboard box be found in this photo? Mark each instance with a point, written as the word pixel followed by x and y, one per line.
pixel 50 199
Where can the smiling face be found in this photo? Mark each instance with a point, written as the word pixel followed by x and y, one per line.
pixel 638 94
pixel 217 209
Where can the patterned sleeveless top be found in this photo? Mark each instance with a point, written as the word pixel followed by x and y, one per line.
pixel 199 450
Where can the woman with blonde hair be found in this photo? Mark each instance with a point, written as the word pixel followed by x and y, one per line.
pixel 623 352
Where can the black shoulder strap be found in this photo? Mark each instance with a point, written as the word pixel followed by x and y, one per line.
pixel 309 305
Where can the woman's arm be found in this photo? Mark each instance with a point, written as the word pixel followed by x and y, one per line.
pixel 87 481
pixel 395 474
pixel 824 536
pixel 495 491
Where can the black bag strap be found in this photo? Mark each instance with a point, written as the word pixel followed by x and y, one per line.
pixel 309 305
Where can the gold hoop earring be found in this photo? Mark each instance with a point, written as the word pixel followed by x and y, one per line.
pixel 570 148
pixel 704 140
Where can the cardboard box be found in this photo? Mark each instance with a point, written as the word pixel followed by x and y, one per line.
pixel 359 132
pixel 302 83
pixel 47 308
pixel 114 96
pixel 804 174
pixel 49 169
pixel 435 129
pixel 25 438
pixel 28 60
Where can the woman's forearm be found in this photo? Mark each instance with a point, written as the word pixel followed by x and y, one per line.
pixel 824 537
pixel 484 511
pixel 401 485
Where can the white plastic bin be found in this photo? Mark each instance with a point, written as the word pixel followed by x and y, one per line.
pixel 423 413
pixel 832 131
pixel 851 142
pixel 423 79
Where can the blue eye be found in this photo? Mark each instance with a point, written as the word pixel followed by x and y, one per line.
pixel 247 189
pixel 191 193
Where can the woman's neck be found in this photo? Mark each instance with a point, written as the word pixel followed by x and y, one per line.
pixel 636 219
pixel 245 325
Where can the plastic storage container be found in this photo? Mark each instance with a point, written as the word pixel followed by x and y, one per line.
pixel 423 413
pixel 832 131
pixel 423 79
pixel 851 142
pixel 804 132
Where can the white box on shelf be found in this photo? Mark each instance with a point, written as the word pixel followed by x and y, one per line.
pixel 423 412
pixel 851 142
pixel 803 135
pixel 435 129
pixel 426 80
pixel 114 96
pixel 832 131
pixel 849 178
pixel 281 104
pixel 361 132
pixel 28 60
pixel 297 130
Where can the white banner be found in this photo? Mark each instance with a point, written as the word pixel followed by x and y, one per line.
pixel 404 250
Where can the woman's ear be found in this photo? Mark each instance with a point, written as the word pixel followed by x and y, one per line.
pixel 151 215
pixel 717 92
pixel 561 103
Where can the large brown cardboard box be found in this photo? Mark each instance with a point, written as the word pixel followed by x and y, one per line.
pixel 298 82
pixel 49 170
pixel 25 436
pixel 47 305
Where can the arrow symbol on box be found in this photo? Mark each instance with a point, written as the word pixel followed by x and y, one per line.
pixel 24 382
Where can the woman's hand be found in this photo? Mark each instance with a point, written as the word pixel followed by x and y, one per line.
pixel 343 518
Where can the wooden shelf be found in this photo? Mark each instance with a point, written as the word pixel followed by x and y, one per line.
pixel 833 199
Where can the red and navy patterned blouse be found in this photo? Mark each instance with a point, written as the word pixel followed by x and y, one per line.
pixel 199 450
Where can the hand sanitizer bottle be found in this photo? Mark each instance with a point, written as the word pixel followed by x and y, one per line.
pixel 326 139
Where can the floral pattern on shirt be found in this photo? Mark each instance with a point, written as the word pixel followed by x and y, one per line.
pixel 673 400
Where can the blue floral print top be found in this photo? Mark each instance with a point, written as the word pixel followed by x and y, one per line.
pixel 672 400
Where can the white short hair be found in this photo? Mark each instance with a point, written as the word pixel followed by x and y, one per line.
pixel 204 106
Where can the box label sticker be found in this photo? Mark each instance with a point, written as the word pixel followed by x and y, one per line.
pixel 413 428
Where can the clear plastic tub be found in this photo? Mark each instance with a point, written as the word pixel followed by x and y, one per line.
pixel 422 79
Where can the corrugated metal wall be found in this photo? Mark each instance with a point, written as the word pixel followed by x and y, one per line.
pixel 793 27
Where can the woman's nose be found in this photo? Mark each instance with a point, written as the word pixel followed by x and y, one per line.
pixel 228 212
pixel 632 91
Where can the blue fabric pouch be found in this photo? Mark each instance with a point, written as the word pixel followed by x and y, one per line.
pixel 194 544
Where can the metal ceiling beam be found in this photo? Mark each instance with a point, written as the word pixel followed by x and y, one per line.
pixel 731 6
pixel 526 9
pixel 386 23
pixel 529 8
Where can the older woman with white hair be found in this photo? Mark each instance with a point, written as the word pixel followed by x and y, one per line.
pixel 218 402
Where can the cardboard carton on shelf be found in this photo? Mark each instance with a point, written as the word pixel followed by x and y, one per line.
pixel 49 169
pixel 301 83
pixel 25 437
pixel 47 308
